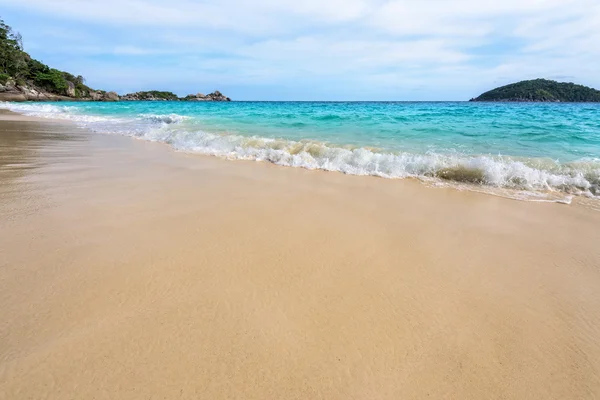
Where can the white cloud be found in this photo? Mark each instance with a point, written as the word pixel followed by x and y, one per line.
pixel 437 46
pixel 135 51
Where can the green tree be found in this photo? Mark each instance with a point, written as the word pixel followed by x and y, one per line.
pixel 12 60
pixel 25 70
pixel 53 81
pixel 541 90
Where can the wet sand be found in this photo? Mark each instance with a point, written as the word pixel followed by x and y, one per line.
pixel 130 271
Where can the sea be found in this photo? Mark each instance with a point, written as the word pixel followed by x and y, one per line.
pixel 526 151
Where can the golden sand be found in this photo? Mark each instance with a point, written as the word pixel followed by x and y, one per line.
pixel 129 271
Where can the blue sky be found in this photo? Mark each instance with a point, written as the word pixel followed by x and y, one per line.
pixel 313 49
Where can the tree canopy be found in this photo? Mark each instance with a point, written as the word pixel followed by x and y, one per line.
pixel 16 64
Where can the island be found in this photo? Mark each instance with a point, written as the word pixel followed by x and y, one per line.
pixel 155 95
pixel 541 90
pixel 23 78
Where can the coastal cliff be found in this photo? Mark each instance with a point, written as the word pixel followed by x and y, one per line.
pixel 541 90
pixel 23 78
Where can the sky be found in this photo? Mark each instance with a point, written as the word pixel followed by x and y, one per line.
pixel 313 49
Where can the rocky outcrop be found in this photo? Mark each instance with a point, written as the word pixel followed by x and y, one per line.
pixel 215 96
pixel 12 96
pixel 111 96
pixel 96 96
pixel 152 95
pixel 100 95
pixel 8 92
pixel 71 92
pixel 11 91
pixel 130 97
pixel 155 95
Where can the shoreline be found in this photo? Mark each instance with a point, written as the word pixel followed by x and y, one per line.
pixel 130 270
pixel 535 179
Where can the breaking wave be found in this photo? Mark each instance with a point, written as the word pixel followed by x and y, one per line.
pixel 535 179
pixel 166 119
pixel 54 112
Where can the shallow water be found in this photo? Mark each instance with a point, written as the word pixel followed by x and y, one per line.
pixel 529 151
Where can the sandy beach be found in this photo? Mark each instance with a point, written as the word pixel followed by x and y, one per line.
pixel 130 271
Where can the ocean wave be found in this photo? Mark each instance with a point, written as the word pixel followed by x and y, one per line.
pixel 53 111
pixel 35 109
pixel 581 178
pixel 535 178
pixel 327 117
pixel 164 118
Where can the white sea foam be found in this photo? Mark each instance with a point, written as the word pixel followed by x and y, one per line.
pixel 526 179
pixel 498 172
pixel 162 118
pixel 43 110
pixel 37 109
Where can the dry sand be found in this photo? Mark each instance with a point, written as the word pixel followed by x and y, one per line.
pixel 129 271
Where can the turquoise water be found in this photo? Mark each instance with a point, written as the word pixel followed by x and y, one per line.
pixel 539 149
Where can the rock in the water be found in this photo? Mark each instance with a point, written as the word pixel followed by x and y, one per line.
pixel 152 95
pixel 215 96
pixel 197 98
pixel 218 96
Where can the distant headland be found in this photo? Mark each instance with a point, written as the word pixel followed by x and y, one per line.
pixel 155 95
pixel 23 78
pixel 541 90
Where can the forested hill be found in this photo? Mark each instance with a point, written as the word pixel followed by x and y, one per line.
pixel 24 78
pixel 541 90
